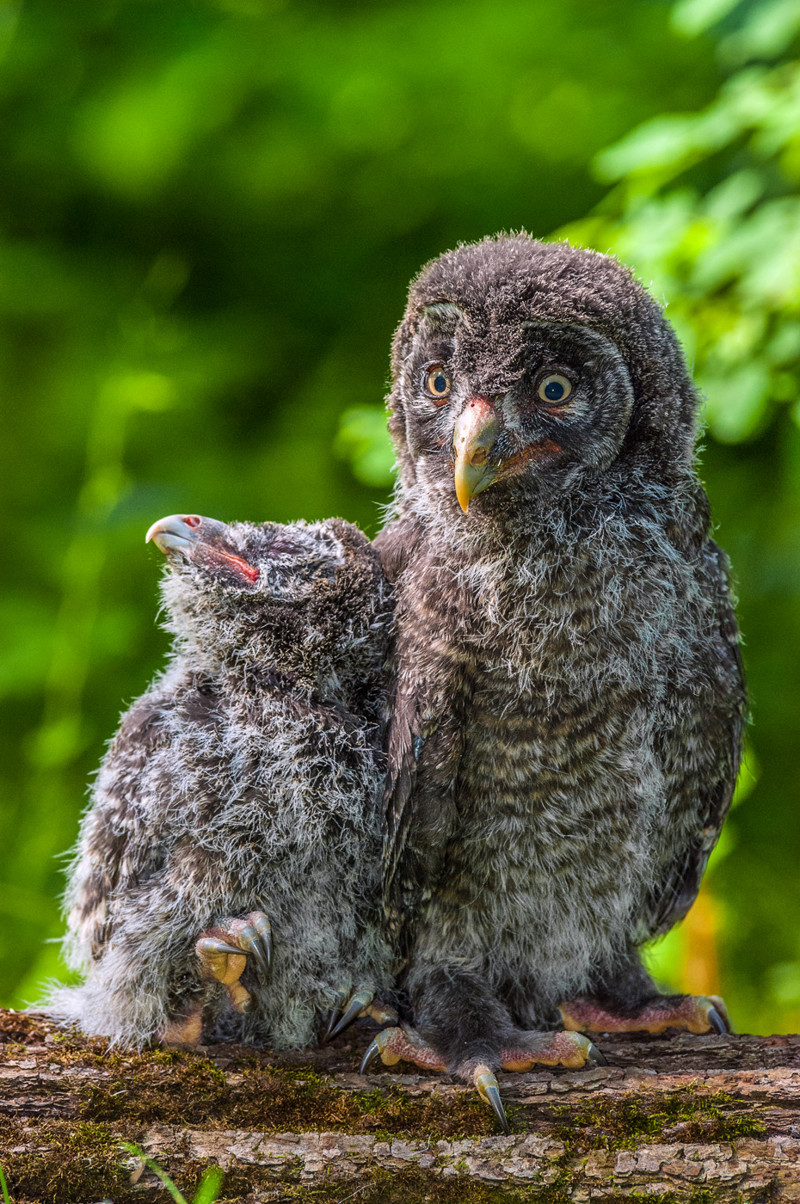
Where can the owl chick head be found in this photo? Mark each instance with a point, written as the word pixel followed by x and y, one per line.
pixel 304 599
pixel 524 366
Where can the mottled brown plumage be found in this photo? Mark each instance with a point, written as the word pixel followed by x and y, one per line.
pixel 569 697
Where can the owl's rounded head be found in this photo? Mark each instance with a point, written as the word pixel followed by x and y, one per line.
pixel 524 366
pixel 306 599
pixel 273 564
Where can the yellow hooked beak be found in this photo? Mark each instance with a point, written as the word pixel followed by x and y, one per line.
pixel 473 440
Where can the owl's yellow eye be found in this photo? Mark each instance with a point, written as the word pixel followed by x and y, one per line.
pixel 554 388
pixel 437 384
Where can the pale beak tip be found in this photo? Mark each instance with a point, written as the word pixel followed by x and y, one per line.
pixel 463 491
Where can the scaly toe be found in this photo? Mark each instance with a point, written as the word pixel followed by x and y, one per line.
pixel 689 1013
pixel 393 1045
pixel 551 1049
pixel 220 959
pixel 241 998
pixel 381 1013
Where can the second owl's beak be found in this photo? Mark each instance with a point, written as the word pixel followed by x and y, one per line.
pixel 473 439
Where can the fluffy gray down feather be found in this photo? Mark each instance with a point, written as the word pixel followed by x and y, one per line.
pixel 248 776
pixel 569 698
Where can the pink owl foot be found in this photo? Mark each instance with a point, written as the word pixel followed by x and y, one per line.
pixel 690 1013
pixel 223 951
pixel 529 1049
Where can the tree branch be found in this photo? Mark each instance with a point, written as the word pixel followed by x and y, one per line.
pixel 680 1118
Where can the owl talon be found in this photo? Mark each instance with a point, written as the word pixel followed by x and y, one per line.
pixel 211 945
pixel 488 1089
pixel 595 1056
pixel 256 938
pixel 717 1022
pixel 333 1016
pixel 372 1052
pixel 719 1007
pixel 356 1006
pixel 224 949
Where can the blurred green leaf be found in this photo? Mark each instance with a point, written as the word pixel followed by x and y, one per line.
pixel 767 30
pixel 691 17
pixel 363 441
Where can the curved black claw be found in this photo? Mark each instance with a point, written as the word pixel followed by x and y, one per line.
pixel 213 944
pixel 371 1053
pixel 256 938
pixel 595 1057
pixel 717 1022
pixel 355 1006
pixel 333 1017
pixel 489 1091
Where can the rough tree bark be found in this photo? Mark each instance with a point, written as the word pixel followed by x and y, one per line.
pixel 676 1118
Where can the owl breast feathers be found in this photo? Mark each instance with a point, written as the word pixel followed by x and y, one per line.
pixel 245 782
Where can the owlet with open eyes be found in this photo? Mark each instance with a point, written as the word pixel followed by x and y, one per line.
pixel 569 697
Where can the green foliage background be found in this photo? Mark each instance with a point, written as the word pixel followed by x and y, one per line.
pixel 209 212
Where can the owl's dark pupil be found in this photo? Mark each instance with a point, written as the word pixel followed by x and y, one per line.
pixel 554 390
pixel 440 383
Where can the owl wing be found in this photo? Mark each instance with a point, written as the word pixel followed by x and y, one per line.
pixel 115 840
pixel 408 734
pixel 423 735
pixel 419 799
pixel 702 761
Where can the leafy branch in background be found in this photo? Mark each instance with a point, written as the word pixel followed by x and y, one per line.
pixel 705 208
